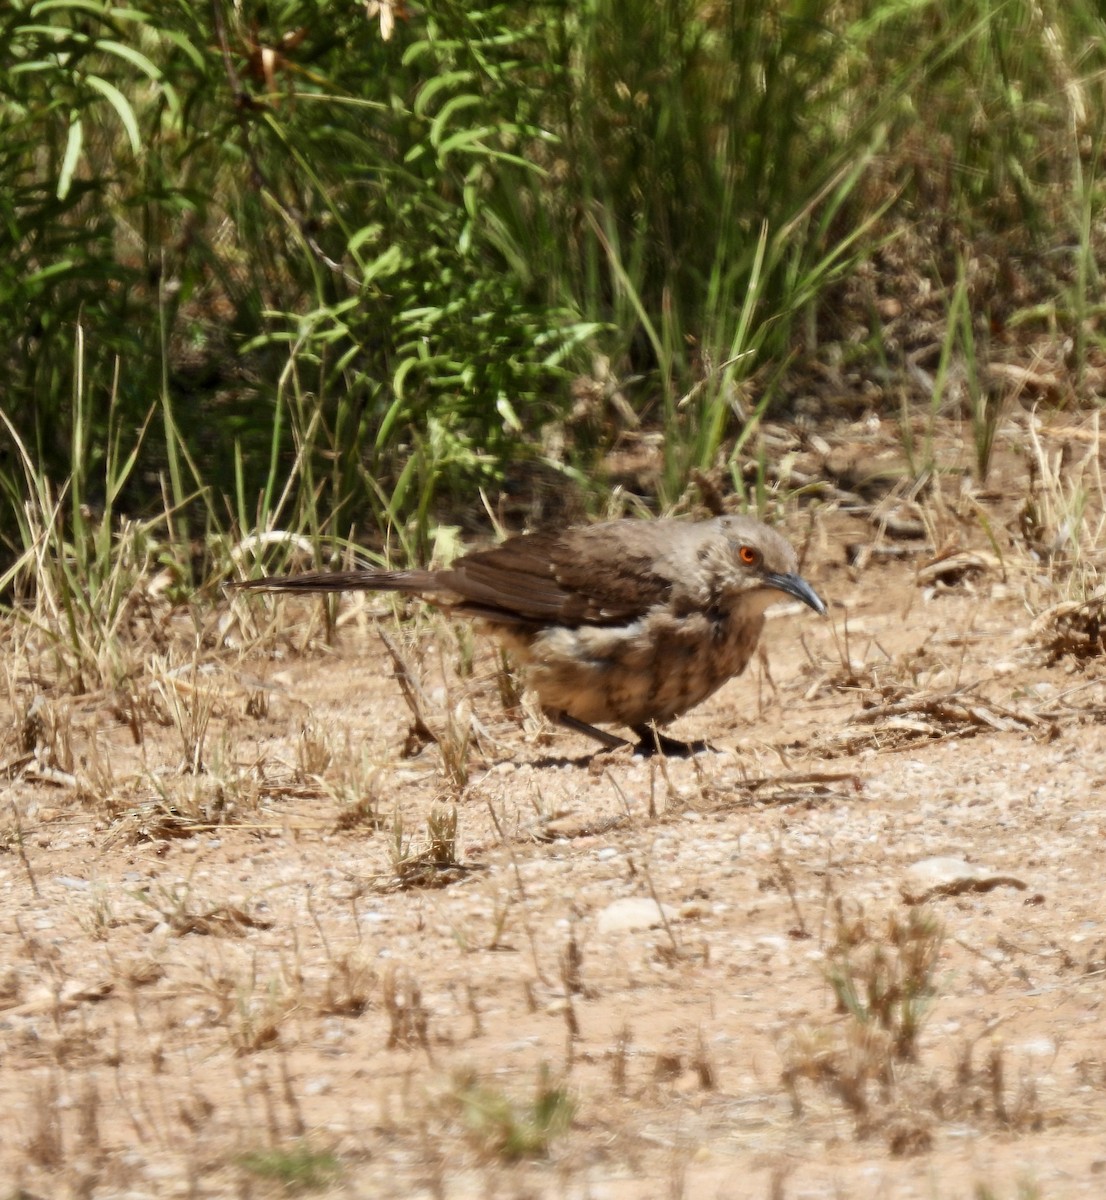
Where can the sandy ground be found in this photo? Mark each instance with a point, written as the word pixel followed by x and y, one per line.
pixel 240 982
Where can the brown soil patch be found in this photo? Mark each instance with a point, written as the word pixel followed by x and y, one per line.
pixel 255 979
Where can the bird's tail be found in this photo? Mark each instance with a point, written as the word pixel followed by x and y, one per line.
pixel 342 581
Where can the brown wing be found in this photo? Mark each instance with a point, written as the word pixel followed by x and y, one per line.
pixel 598 575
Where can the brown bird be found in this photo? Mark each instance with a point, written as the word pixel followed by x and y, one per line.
pixel 629 622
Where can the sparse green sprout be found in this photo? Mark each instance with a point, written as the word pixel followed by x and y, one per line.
pixel 298 1169
pixel 509 1130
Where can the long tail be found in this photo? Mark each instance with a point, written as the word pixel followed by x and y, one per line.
pixel 343 581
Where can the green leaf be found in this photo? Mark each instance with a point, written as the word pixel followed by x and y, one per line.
pixel 122 107
pixel 55 268
pixel 89 6
pixel 72 155
pixel 128 14
pixel 506 410
pixel 466 139
pixel 33 65
pixel 58 32
pixel 449 109
pixel 182 43
pixel 431 88
pixel 131 55
pixel 368 233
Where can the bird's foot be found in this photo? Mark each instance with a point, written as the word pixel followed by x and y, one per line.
pixel 609 741
pixel 651 741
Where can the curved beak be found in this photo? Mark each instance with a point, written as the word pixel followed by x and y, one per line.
pixel 797 586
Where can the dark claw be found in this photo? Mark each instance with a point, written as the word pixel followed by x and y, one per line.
pixel 651 741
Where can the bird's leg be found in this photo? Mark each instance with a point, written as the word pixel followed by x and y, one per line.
pixel 609 740
pixel 652 741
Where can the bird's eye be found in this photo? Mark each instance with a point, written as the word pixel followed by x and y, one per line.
pixel 749 556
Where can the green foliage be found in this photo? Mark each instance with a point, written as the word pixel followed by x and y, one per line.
pixel 427 346
pixel 706 153
pixel 276 223
pixel 989 109
pixel 349 274
pixel 689 133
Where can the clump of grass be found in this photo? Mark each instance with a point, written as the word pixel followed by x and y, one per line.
pixel 360 808
pixel 296 1169
pixel 509 1130
pixel 983 1089
pixel 84 579
pixel 882 976
pixel 177 907
pixel 454 742
pixel 162 807
pixel 256 1020
pixel 347 987
pixel 882 979
pixel 408 1016
pixel 314 750
pixel 435 862
pixel 1063 517
pixel 45 1146
pixel 885 978
pixel 189 696
pixel 451 731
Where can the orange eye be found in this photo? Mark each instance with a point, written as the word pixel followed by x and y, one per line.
pixel 748 556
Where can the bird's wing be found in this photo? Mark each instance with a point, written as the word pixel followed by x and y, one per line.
pixel 597 575
pixel 575 578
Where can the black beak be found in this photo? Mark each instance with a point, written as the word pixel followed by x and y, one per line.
pixel 797 586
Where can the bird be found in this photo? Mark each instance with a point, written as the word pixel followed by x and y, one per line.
pixel 627 622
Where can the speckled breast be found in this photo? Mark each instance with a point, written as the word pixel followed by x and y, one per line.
pixel 653 669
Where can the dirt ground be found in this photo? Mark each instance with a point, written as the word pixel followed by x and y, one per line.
pixel 262 978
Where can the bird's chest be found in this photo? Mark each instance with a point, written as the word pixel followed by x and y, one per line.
pixel 652 669
pixel 694 655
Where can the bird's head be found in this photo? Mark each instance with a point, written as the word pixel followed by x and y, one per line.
pixel 765 564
